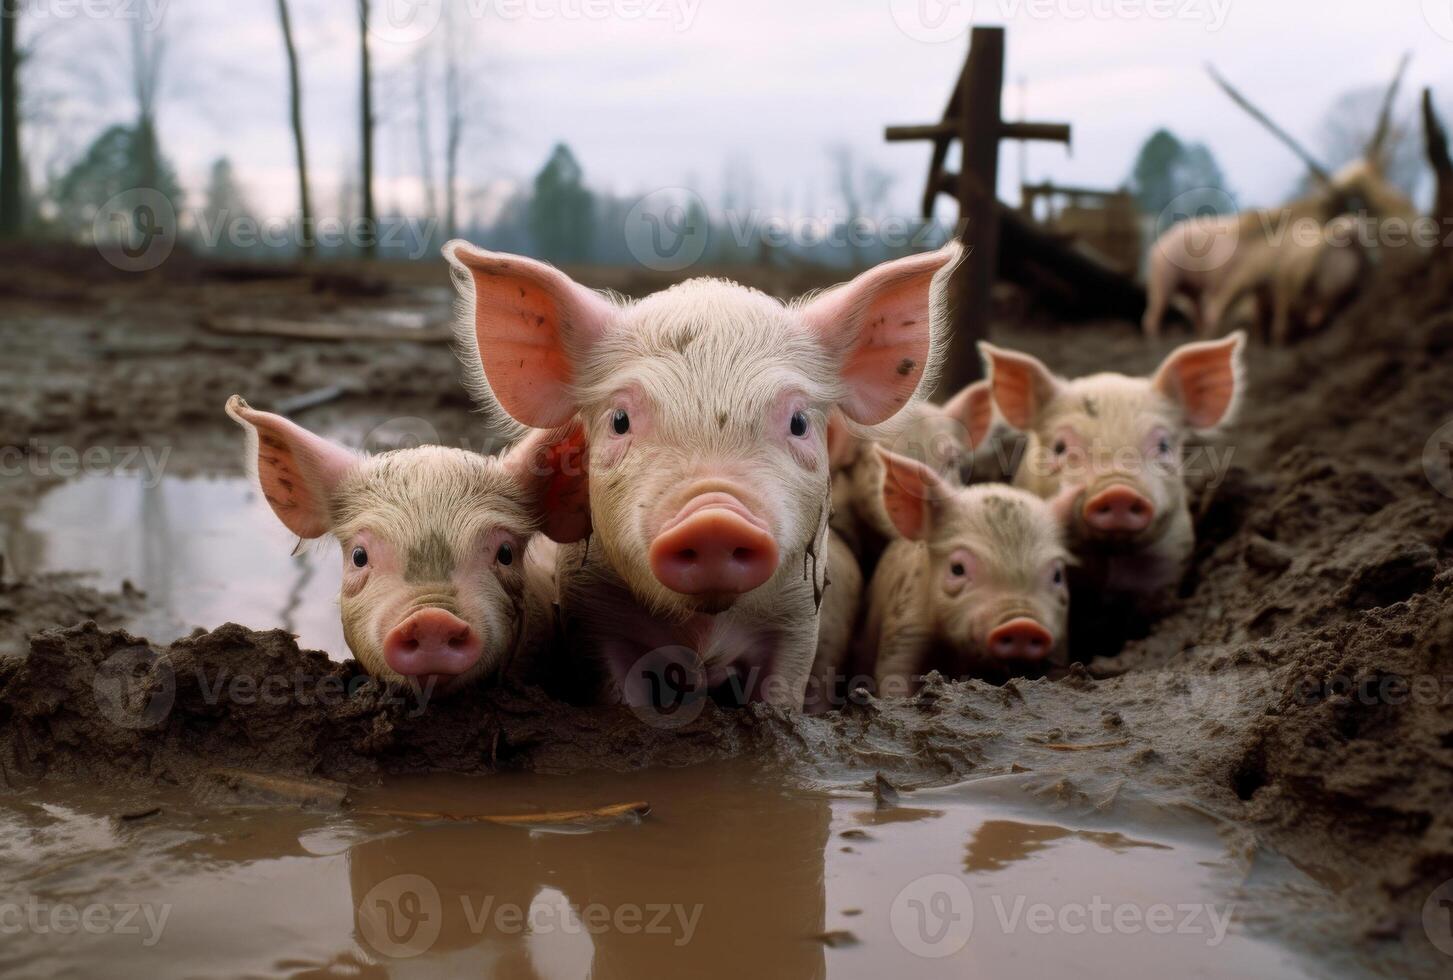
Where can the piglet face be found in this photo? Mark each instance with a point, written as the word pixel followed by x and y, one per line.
pixel 704 406
pixel 997 565
pixel 432 540
pixel 1111 448
pixel 433 547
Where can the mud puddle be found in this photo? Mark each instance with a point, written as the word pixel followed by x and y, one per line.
pixel 205 550
pixel 732 873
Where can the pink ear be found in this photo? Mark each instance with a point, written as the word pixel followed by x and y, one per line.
pixel 883 325
pixel 530 324
pixel 299 471
pixel 973 408
pixel 1204 379
pixel 1021 385
pixel 911 492
pixel 554 466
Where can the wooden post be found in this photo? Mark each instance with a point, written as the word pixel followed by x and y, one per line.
pixel 971 291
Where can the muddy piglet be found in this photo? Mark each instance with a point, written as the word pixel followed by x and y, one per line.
pixel 1119 446
pixel 445 580
pixel 974 585
pixel 705 408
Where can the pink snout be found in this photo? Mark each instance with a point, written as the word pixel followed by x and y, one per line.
pixel 1118 510
pixel 1021 639
pixel 432 641
pixel 714 547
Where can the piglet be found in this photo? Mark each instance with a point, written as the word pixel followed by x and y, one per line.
pixel 705 409
pixel 974 585
pixel 445 580
pixel 1118 446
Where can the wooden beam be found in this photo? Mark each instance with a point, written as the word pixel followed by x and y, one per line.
pixel 931 131
pixel 1043 132
pixel 971 290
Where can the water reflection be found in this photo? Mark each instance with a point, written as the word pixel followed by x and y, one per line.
pixel 735 873
pixel 205 550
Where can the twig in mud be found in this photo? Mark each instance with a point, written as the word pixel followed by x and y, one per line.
pixel 1082 746
pixel 605 814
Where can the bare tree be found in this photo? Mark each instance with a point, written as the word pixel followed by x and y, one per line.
pixel 425 139
pixel 370 218
pixel 148 52
pixel 454 119
pixel 10 176
pixel 305 241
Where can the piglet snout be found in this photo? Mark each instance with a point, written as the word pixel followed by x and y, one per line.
pixel 1021 639
pixel 432 641
pixel 714 546
pixel 1118 510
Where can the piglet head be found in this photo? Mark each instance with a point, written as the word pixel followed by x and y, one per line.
pixel 433 539
pixel 705 406
pixel 1114 443
pixel 996 560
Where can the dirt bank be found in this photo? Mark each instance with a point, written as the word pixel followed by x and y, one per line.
pixel 1301 686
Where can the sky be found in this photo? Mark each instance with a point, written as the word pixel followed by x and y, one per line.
pixel 654 94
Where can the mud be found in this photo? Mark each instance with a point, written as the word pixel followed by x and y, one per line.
pixel 1299 691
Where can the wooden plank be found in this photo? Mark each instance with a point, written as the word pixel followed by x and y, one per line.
pixel 1044 132
pixel 932 131
pixel 972 287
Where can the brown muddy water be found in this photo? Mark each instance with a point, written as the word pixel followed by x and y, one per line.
pixel 734 872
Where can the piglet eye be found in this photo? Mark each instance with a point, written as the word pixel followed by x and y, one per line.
pixel 620 422
pixel 505 555
pixel 1059 575
pixel 1060 448
pixel 359 557
pixel 799 424
pixel 1163 447
pixel 958 569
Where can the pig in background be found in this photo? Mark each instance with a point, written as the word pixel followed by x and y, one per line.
pixel 963 441
pixel 445 580
pixel 1115 448
pixel 704 407
pixel 975 585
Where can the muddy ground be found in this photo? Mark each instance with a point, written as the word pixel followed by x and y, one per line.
pixel 1300 687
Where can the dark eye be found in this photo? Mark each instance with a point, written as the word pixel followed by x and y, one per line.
pixel 620 422
pixel 1059 576
pixel 957 568
pixel 1060 448
pixel 1163 446
pixel 799 424
pixel 360 558
pixel 505 555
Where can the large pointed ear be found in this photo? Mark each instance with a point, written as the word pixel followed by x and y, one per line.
pixel 1205 380
pixel 552 465
pixel 887 326
pixel 299 472
pixel 973 408
pixel 527 325
pixel 912 494
pixel 1021 385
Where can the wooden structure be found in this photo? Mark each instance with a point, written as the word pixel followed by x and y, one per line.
pixel 1104 223
pixel 999 241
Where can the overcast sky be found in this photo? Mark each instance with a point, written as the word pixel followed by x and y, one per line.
pixel 658 93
